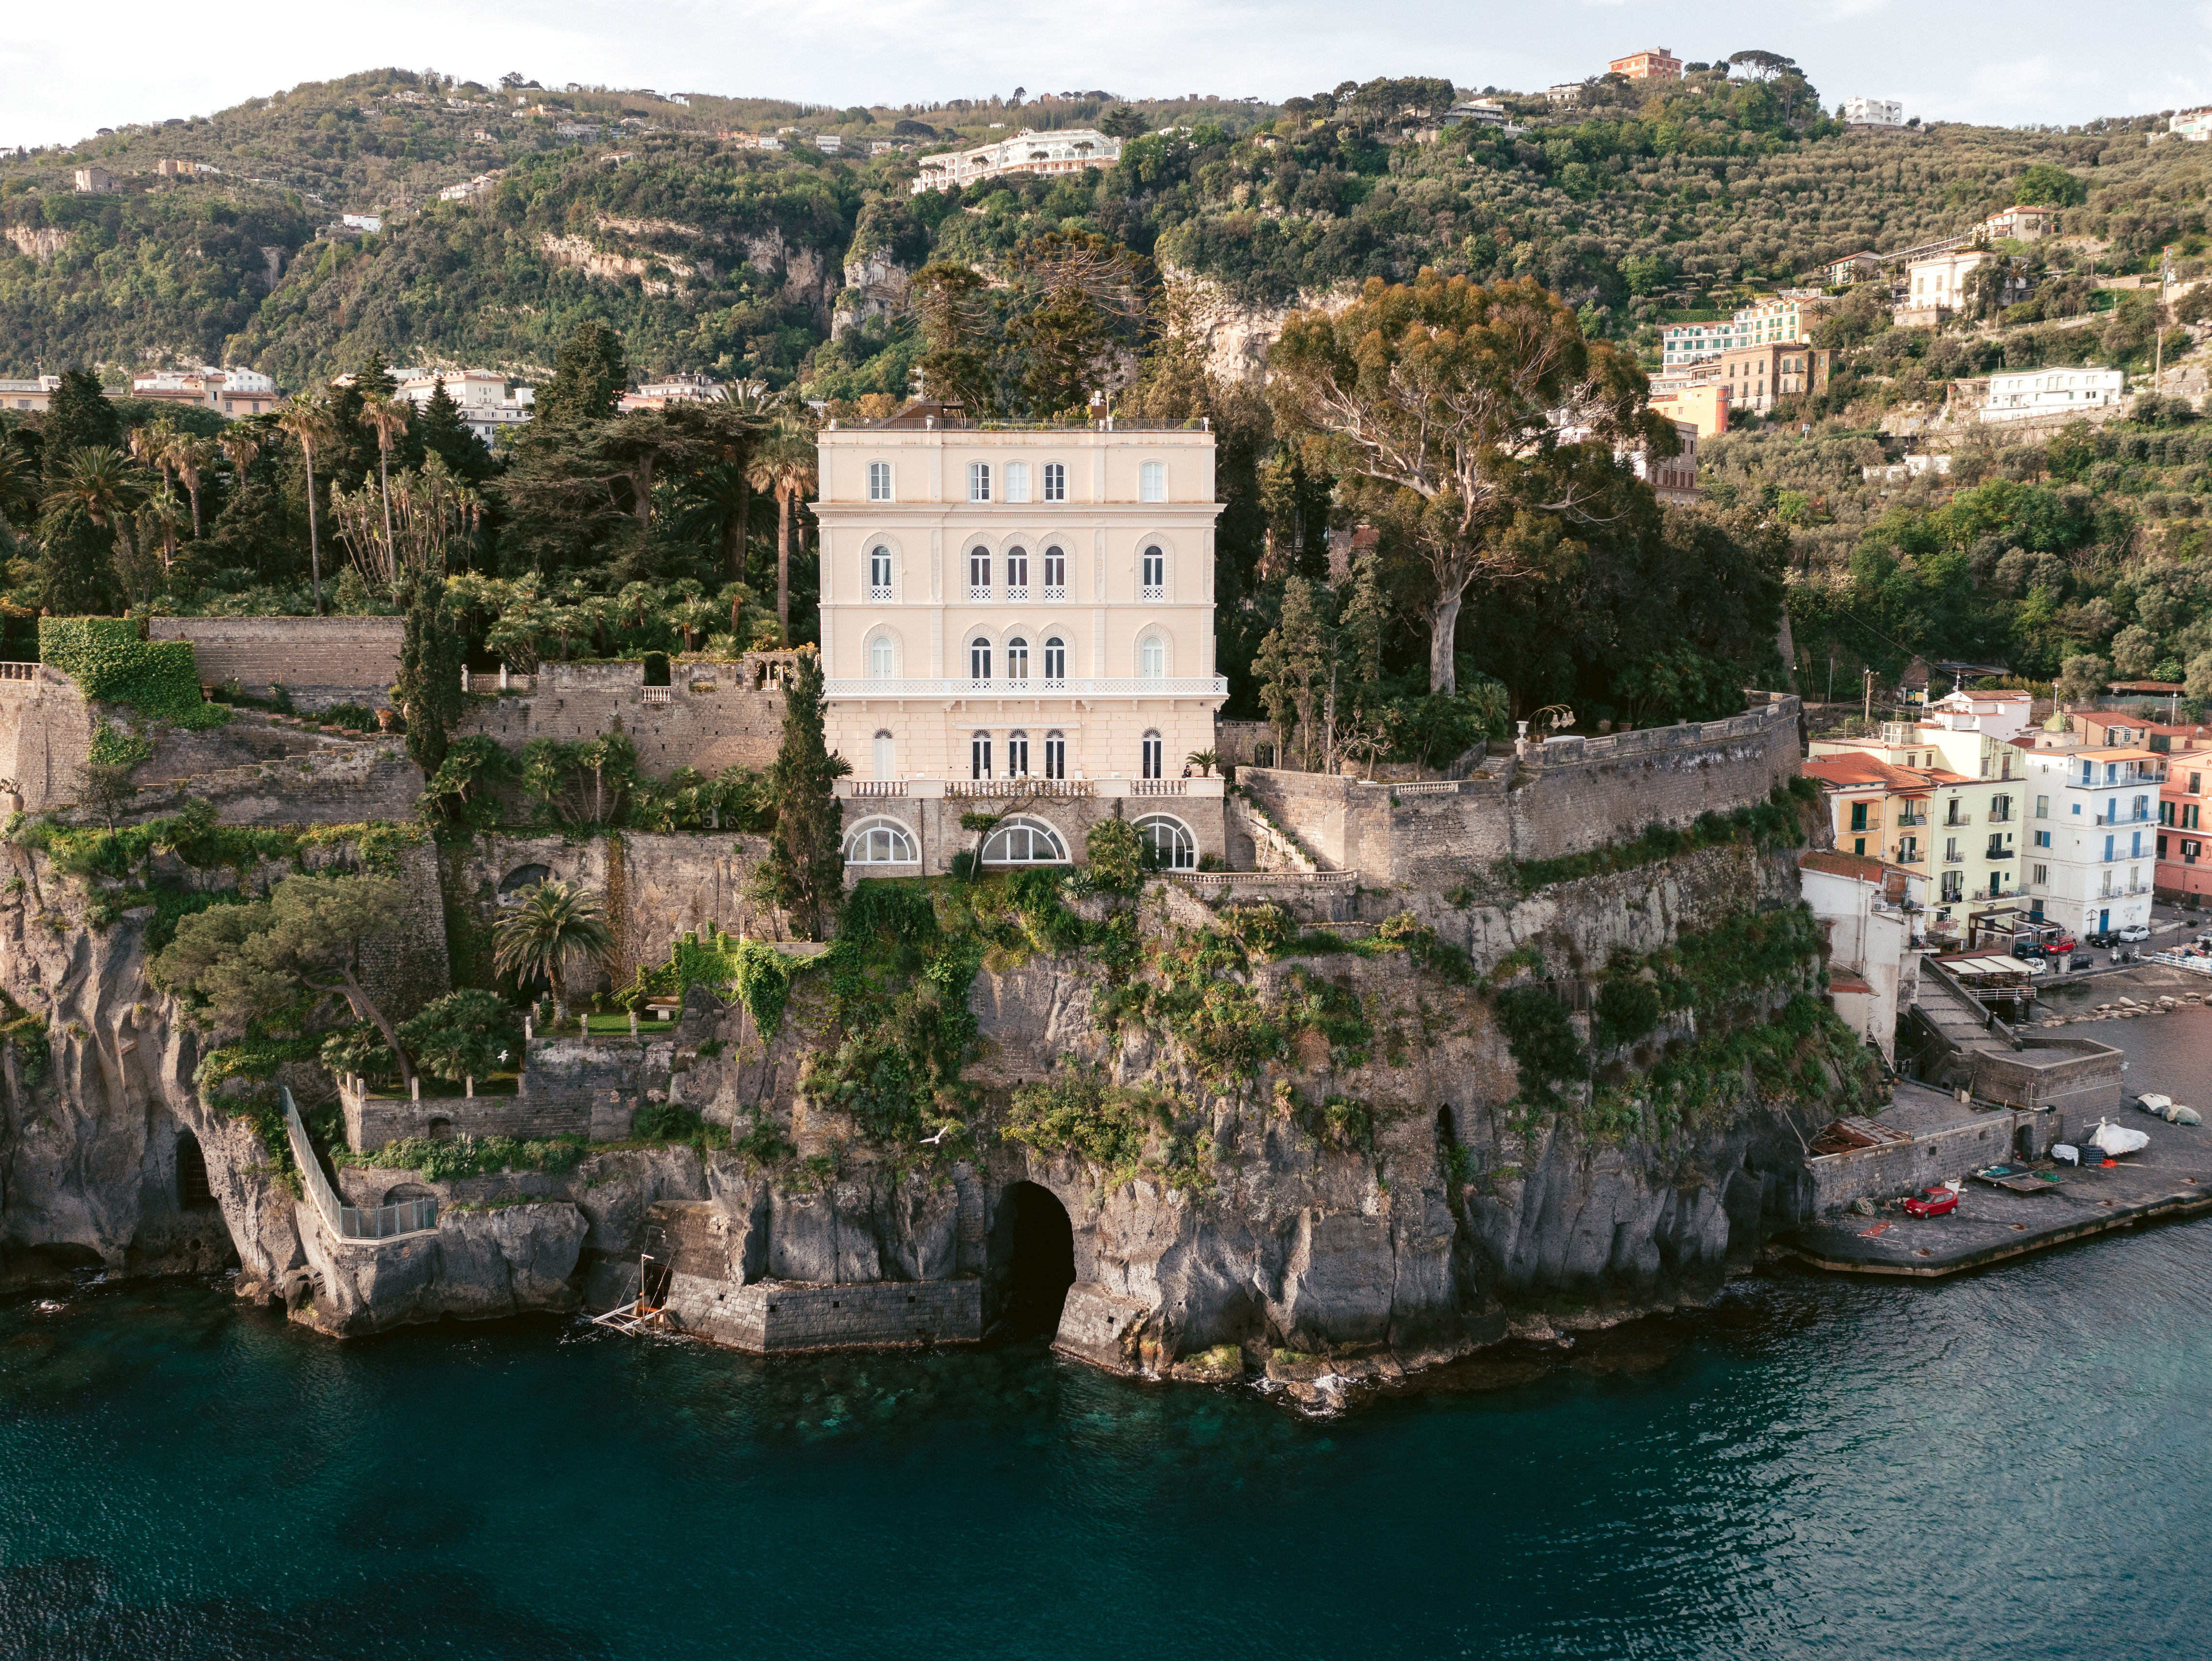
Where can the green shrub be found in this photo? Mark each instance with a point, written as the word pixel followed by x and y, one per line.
pixel 111 663
pixel 1542 1040
pixel 1627 1007
pixel 1117 857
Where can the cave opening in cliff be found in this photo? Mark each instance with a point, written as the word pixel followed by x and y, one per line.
pixel 194 1193
pixel 1037 1244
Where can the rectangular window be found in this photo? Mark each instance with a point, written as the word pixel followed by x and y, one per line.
pixel 1151 755
pixel 1055 756
pixel 2043 839
pixel 2108 848
pixel 2161 847
pixel 1056 483
pixel 2039 874
pixel 2043 807
pixel 1954 885
pixel 1859 816
pixel 879 481
pixel 979 482
pixel 1017 482
pixel 2197 784
pixel 1152 482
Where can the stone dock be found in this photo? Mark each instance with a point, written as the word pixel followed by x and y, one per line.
pixel 2171 1177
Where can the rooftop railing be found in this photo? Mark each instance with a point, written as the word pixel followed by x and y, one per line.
pixel 351 1222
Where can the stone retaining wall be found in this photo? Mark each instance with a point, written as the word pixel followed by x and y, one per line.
pixel 713 717
pixel 345 785
pixel 1565 796
pixel 778 1317
pixel 319 661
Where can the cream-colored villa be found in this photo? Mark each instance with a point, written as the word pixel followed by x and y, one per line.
pixel 1018 621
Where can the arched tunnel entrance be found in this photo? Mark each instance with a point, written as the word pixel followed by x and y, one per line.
pixel 1032 1259
pixel 194 1193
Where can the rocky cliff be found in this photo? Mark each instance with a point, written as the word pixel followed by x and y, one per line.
pixel 1375 1143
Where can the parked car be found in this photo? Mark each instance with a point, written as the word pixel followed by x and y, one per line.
pixel 2102 939
pixel 1933 1203
pixel 2134 932
pixel 2081 961
pixel 2062 945
pixel 2027 950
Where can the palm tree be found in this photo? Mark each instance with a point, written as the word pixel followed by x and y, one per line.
pixel 188 453
pixel 98 480
pixel 389 420
pixel 160 516
pixel 19 479
pixel 149 445
pixel 556 923
pixel 783 463
pixel 307 418
pixel 241 446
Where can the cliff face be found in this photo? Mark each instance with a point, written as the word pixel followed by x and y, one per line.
pixel 1383 1184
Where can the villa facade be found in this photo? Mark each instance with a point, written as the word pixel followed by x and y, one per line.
pixel 1018 621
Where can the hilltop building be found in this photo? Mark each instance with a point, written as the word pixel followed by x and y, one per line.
pixel 1021 622
pixel 675 388
pixel 1657 64
pixel 94 180
pixel 2024 394
pixel 2020 224
pixel 1697 398
pixel 1068 151
pixel 1785 316
pixel 2194 124
pixel 1873 112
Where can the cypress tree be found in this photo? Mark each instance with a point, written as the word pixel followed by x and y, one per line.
pixel 805 871
pixel 430 661
pixel 79 416
pixel 588 379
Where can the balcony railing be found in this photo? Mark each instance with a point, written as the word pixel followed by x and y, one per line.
pixel 979 594
pixel 1055 593
pixel 880 593
pixel 1042 788
pixel 1018 593
pixel 1997 852
pixel 1152 591
pixel 1165 686
pixel 1954 858
pixel 1911 819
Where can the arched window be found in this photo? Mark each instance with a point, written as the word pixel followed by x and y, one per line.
pixel 1018 660
pixel 979 659
pixel 979 482
pixel 1055 661
pixel 1025 842
pixel 979 756
pixel 1152 578
pixel 1172 845
pixel 879 842
pixel 1017 756
pixel 1152 658
pixel 879 573
pixel 1055 755
pixel 1152 756
pixel 979 573
pixel 879 481
pixel 1152 482
pixel 520 881
pixel 1056 573
pixel 1018 573
pixel 1056 483
pixel 886 756
pixel 882 658
pixel 1017 482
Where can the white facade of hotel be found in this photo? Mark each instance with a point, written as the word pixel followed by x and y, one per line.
pixel 486 405
pixel 1023 604
pixel 1780 321
pixel 2092 836
pixel 1065 152
pixel 1873 112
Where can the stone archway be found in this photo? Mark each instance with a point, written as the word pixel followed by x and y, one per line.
pixel 1032 1259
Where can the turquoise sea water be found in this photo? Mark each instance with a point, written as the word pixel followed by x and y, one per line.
pixel 2016 1464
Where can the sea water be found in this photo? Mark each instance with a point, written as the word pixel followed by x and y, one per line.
pixel 2016 1463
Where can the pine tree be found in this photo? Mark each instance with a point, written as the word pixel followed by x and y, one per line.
pixel 430 663
pixel 804 870
pixel 440 432
pixel 588 379
pixel 79 417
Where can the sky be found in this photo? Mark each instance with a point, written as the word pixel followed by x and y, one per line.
pixel 66 73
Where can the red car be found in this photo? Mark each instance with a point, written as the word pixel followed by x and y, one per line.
pixel 1932 1202
pixel 2062 945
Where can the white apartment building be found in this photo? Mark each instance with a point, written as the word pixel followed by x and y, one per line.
pixel 485 403
pixel 28 395
pixel 2195 124
pixel 1027 152
pixel 1781 320
pixel 2022 394
pixel 2001 715
pixel 233 392
pixel 1936 286
pixel 1874 112
pixel 674 389
pixel 2093 842
pixel 1019 616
